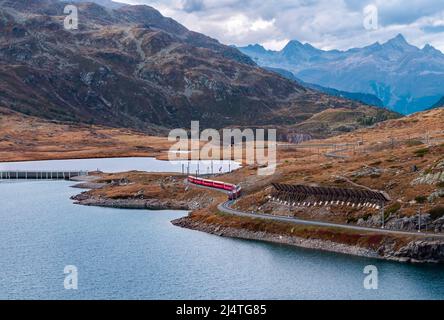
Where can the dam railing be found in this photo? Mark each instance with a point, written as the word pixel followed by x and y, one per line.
pixel 41 175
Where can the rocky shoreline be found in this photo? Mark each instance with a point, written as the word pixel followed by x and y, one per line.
pixel 420 251
pixel 228 232
pixel 148 204
pixel 85 199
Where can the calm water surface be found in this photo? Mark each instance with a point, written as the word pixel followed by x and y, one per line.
pixel 111 165
pixel 134 254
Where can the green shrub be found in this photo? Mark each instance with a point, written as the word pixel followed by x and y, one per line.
pixel 436 212
pixel 352 220
pixel 421 199
pixel 412 143
pixel 371 120
pixel 422 152
pixel 440 184
pixel 392 209
pixel 366 121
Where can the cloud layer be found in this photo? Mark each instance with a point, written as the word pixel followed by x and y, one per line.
pixel 328 24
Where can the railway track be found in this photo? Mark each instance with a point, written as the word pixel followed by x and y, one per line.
pixel 226 208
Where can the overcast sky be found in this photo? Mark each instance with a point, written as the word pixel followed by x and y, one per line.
pixel 327 24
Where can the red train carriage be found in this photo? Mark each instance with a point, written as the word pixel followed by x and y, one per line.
pixel 235 194
pixel 235 191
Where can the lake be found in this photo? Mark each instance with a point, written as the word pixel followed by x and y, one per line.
pixel 139 254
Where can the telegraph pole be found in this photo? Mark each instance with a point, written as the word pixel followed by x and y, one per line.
pixel 419 220
pixel 382 217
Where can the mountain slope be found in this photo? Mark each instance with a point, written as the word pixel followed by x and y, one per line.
pixel 132 67
pixel 104 3
pixel 407 79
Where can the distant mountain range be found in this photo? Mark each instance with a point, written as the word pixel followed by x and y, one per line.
pixel 130 66
pixel 366 98
pixel 405 78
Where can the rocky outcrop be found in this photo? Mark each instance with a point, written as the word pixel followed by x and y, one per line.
pixel 429 178
pixel 367 172
pixel 436 195
pixel 406 223
pixel 420 251
pixel 432 176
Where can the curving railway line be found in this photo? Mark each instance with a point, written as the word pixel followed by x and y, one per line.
pixel 226 207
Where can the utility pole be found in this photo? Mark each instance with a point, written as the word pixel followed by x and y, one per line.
pixel 382 216
pixel 419 220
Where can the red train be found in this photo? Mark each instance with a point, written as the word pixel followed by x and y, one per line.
pixel 234 190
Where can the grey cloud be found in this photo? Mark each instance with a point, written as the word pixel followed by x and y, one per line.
pixel 193 5
pixel 433 29
pixel 325 23
pixel 399 11
pixel 403 12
